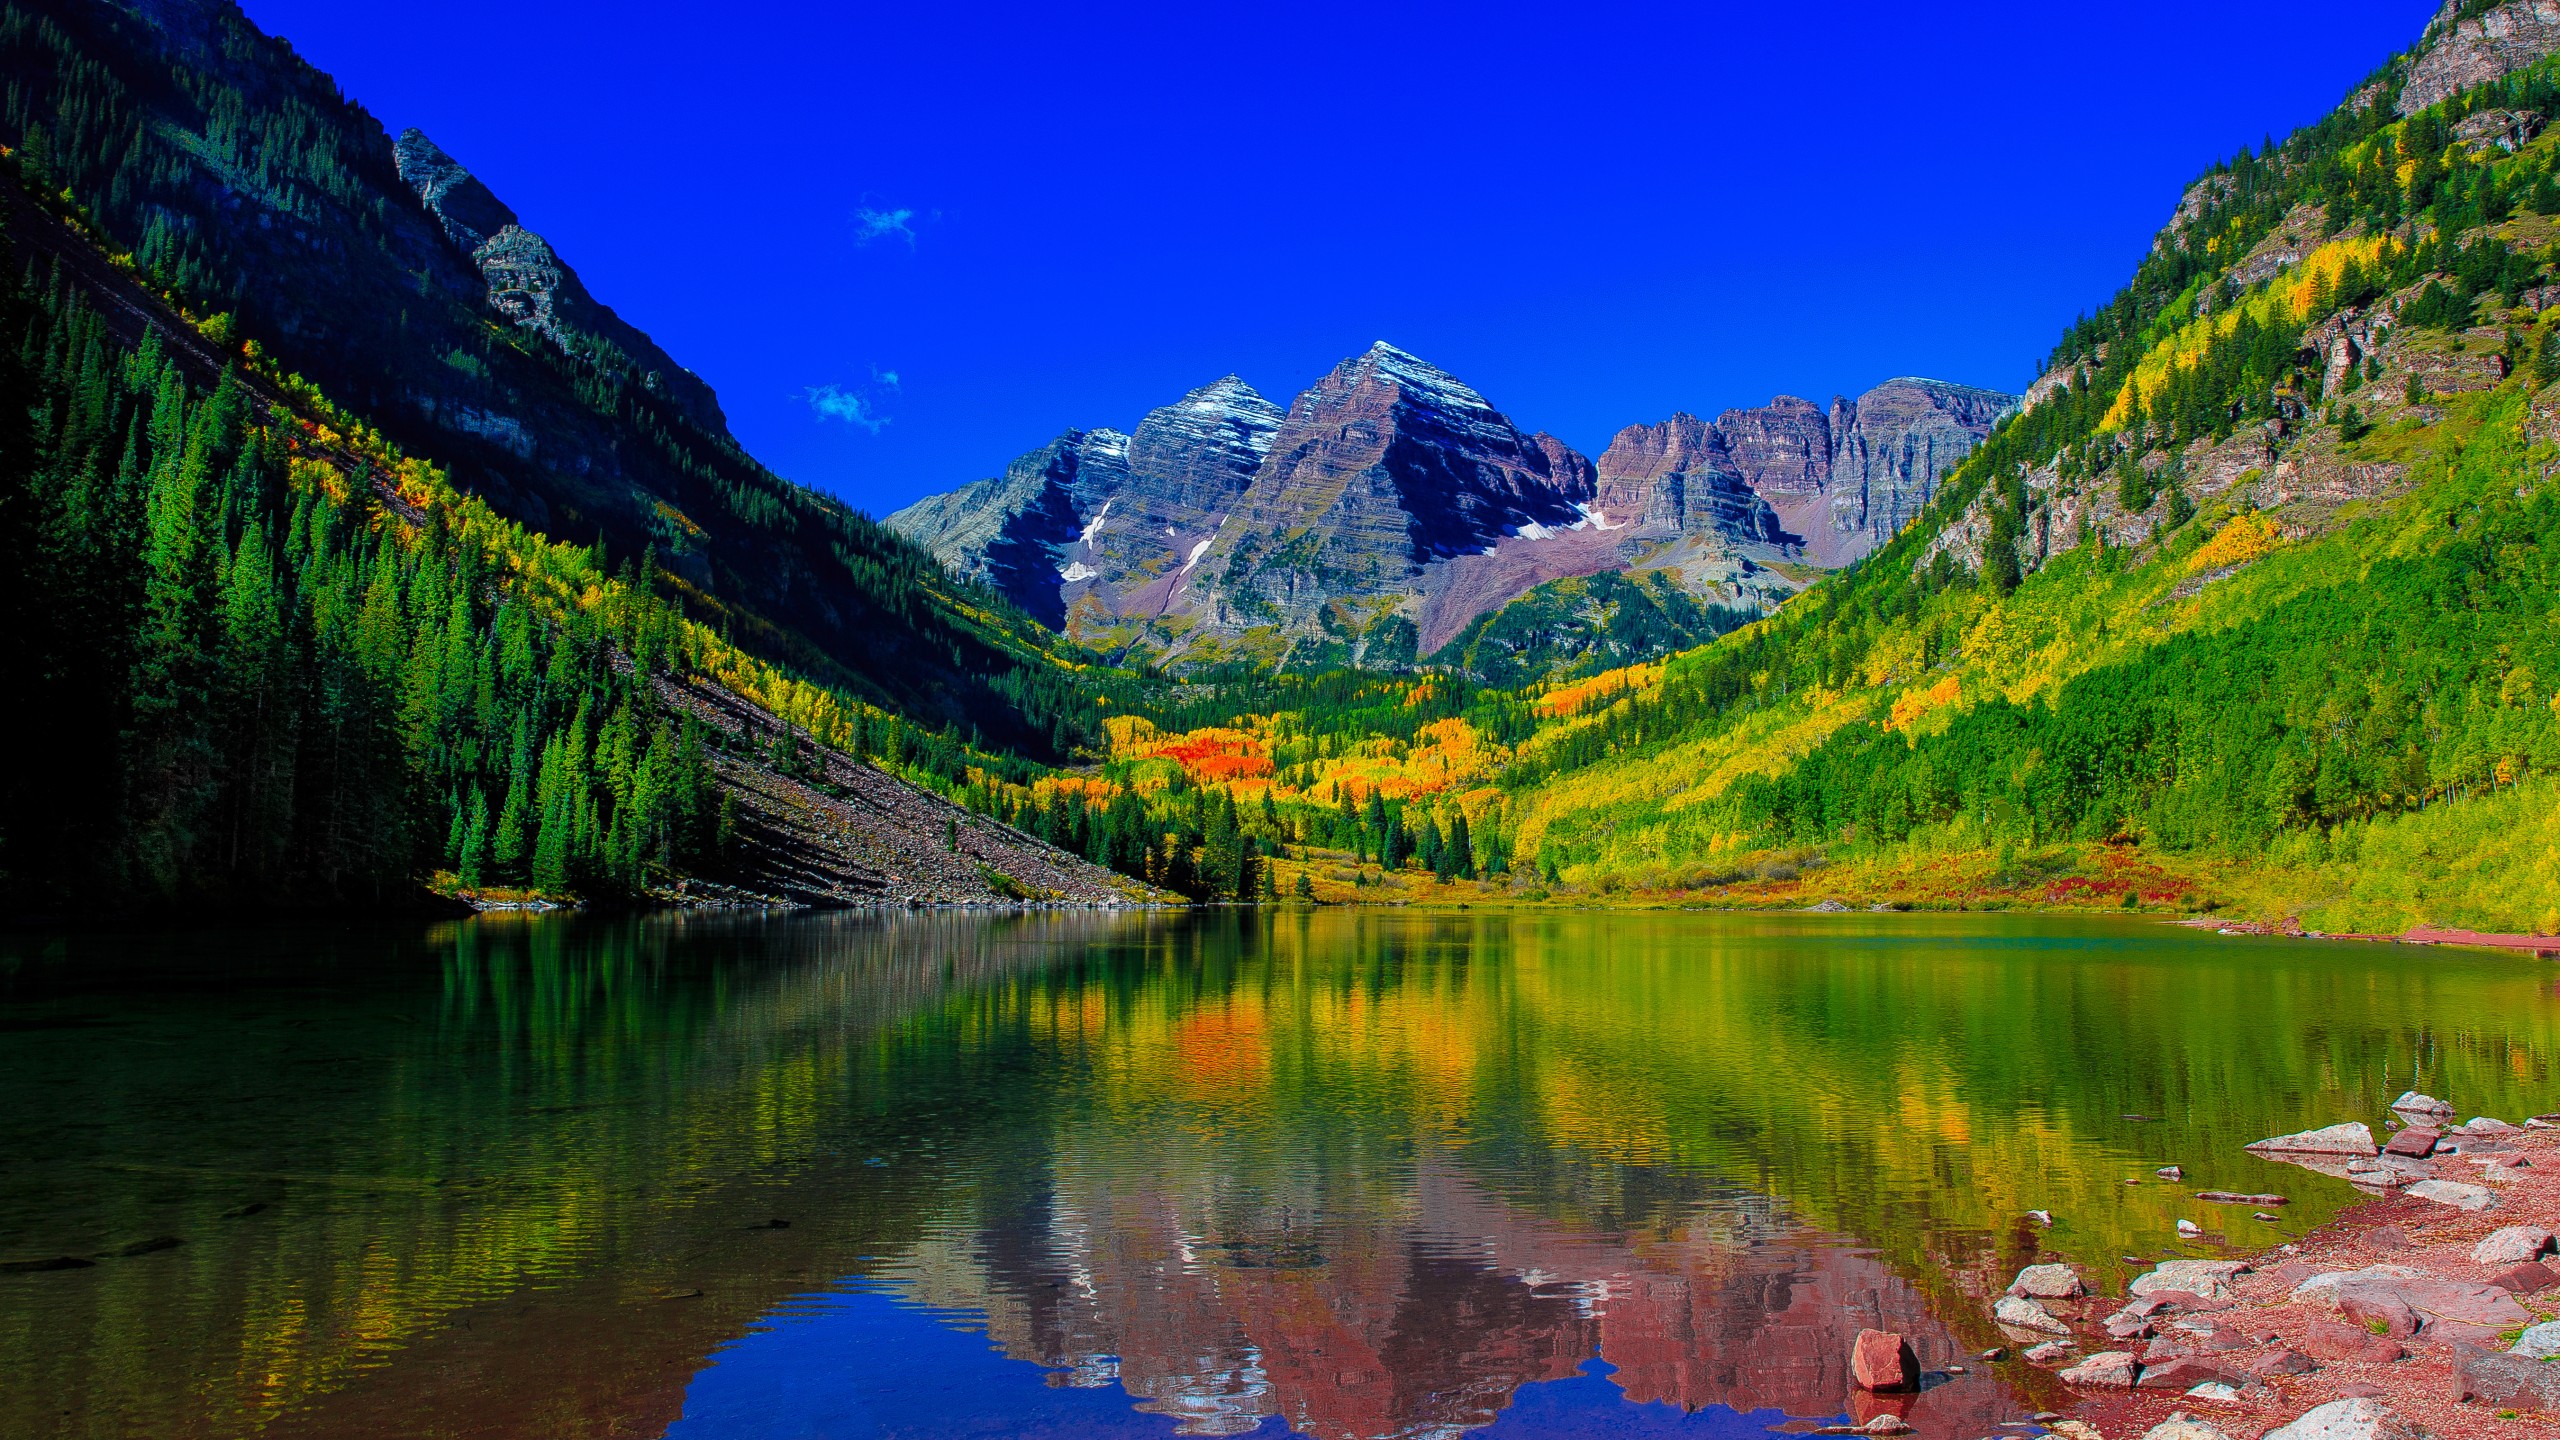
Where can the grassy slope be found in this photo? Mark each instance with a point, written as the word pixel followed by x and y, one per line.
pixel 1653 821
pixel 2433 590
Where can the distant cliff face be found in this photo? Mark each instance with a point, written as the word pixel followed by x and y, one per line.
pixel 1383 470
pixel 2459 54
pixel 1839 481
pixel 1097 525
pixel 1392 505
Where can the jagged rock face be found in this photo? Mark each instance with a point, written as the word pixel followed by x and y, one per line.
pixel 1391 497
pixel 1839 482
pixel 2456 56
pixel 466 210
pixel 1226 513
pixel 1098 524
pixel 1383 468
pixel 1196 456
pixel 1901 438
pixel 1181 474
pixel 1008 531
pixel 1390 453
pixel 1783 448
pixel 1392 505
pixel 533 287
pixel 1680 478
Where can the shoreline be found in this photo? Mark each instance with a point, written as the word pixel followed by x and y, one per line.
pixel 2285 1351
pixel 2540 947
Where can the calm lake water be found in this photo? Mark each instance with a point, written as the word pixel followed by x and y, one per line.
pixel 1334 1174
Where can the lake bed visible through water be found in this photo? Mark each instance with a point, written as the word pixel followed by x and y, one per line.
pixel 1333 1173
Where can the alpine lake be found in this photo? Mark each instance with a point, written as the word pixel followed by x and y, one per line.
pixel 1332 1173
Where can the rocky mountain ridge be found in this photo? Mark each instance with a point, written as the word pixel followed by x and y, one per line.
pixel 1392 505
pixel 2468 45
pixel 533 287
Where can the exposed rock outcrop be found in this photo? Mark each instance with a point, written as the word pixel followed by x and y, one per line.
pixel 1392 505
pixel 1839 481
pixel 1097 525
pixel 534 288
pixel 2456 55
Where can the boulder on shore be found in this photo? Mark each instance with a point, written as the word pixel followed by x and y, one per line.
pixel 2112 1369
pixel 1882 1360
pixel 2471 1199
pixel 2514 1245
pixel 2357 1419
pixel 2282 1362
pixel 2542 1342
pixel 2025 1314
pixel 2417 1142
pixel 2413 1103
pixel 2205 1279
pixel 2410 1302
pixel 2351 1138
pixel 2504 1379
pixel 2058 1282
pixel 2331 1340
pixel 2184 1374
pixel 2530 1278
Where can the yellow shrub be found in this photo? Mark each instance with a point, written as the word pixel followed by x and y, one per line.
pixel 2249 536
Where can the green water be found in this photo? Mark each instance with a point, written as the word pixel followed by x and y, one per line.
pixel 1350 1173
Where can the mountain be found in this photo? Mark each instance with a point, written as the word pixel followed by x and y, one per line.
pixel 1391 508
pixel 349 546
pixel 2245 610
pixel 247 187
pixel 2248 607
pixel 1101 523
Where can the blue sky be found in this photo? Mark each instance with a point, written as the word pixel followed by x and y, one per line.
pixel 909 242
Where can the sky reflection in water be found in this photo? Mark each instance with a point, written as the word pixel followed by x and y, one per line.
pixel 1360 1174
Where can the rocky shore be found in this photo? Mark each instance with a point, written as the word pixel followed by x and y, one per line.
pixel 2428 1310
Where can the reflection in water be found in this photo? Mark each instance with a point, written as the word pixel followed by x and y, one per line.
pixel 1347 1173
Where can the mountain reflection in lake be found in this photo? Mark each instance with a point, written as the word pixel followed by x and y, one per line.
pixel 1338 1173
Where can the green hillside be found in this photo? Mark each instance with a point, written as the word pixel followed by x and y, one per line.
pixel 2230 615
pixel 2252 607
pixel 241 183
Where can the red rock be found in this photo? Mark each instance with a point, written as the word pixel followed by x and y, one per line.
pixel 2184 1375
pixel 2329 1340
pixel 2281 1362
pixel 2406 1303
pixel 1881 1360
pixel 2414 1142
pixel 2531 1278
pixel 1873 1413
pixel 2292 1273
pixel 2387 1237
pixel 2494 1378
pixel 2373 1308
pixel 2115 1369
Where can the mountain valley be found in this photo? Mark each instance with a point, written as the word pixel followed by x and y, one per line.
pixel 359 549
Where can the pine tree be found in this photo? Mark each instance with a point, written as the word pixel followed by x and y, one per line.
pixel 1461 855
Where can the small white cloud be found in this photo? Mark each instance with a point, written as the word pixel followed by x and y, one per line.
pixel 885 379
pixel 834 402
pixel 870 225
